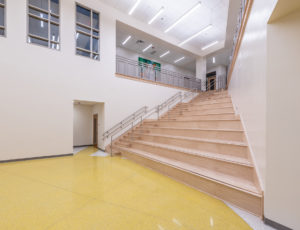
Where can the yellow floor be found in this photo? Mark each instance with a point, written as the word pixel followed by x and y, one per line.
pixel 96 193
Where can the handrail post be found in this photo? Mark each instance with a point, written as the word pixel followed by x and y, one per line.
pixel 111 147
pixel 158 113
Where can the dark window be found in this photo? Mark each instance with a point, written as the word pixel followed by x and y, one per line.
pixel 43 23
pixel 87 32
pixel 2 18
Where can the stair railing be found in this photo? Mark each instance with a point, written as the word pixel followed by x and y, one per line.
pixel 140 115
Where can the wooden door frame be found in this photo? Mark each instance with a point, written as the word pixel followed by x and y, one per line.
pixel 95 130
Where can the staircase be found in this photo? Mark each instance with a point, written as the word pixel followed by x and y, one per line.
pixel 202 144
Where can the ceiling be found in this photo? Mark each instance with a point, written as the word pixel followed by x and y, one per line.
pixel 158 48
pixel 214 12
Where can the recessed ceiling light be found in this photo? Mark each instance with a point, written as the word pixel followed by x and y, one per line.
pixel 148 47
pixel 214 60
pixel 134 7
pixel 126 40
pixel 164 54
pixel 189 12
pixel 210 45
pixel 196 35
pixel 180 59
pixel 162 9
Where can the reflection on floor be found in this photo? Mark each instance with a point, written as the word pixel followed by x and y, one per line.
pixel 103 193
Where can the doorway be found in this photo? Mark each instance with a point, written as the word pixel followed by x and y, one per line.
pixel 95 130
pixel 211 83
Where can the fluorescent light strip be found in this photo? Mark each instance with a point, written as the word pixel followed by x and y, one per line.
pixel 148 47
pixel 126 40
pixel 134 7
pixel 210 45
pixel 178 60
pixel 196 35
pixel 166 53
pixel 214 60
pixel 162 9
pixel 184 16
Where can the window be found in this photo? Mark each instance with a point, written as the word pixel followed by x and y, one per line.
pixel 2 18
pixel 43 23
pixel 87 32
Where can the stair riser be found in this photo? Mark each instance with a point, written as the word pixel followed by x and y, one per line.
pixel 207 117
pixel 202 112
pixel 209 98
pixel 220 135
pixel 235 170
pixel 231 125
pixel 222 100
pixel 230 150
pixel 244 200
pixel 205 107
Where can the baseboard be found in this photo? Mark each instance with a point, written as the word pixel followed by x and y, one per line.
pixel 36 158
pixel 275 224
pixel 79 146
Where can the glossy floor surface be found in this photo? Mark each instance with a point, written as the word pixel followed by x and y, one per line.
pixel 103 193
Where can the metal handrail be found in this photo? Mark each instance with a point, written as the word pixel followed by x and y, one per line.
pixel 144 113
pixel 128 67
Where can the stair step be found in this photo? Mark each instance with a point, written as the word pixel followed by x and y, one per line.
pixel 231 181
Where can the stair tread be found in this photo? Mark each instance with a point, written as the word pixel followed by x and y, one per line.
pixel 231 181
pixel 239 143
pixel 217 119
pixel 200 129
pixel 216 156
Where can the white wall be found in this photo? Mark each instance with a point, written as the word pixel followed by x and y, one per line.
pixel 282 201
pixel 83 125
pixel 248 82
pixel 38 85
pixel 167 66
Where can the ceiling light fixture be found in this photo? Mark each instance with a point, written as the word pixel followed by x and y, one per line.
pixel 126 40
pixel 196 35
pixel 210 45
pixel 164 54
pixel 178 60
pixel 214 60
pixel 148 47
pixel 189 12
pixel 162 9
pixel 134 7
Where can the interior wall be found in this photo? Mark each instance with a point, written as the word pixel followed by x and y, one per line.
pixel 248 83
pixel 123 52
pixel 282 200
pixel 83 125
pixel 39 84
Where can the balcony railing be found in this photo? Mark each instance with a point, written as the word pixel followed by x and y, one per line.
pixel 139 70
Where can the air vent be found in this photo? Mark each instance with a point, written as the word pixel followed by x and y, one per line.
pixel 140 42
pixel 153 52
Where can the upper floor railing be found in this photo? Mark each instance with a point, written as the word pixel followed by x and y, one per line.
pixel 131 68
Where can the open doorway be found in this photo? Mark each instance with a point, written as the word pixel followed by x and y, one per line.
pixel 88 124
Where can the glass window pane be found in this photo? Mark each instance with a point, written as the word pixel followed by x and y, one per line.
pixel 54 6
pixel 38 27
pixel 83 53
pixel 2 32
pixel 95 45
pixel 54 18
pixel 1 16
pixel 37 41
pixel 43 4
pixel 95 33
pixel 38 13
pixel 95 20
pixel 96 56
pixel 54 46
pixel 83 29
pixel 83 15
pixel 83 41
pixel 54 33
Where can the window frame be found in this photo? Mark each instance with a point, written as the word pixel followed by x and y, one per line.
pixel 49 21
pixel 4 26
pixel 88 34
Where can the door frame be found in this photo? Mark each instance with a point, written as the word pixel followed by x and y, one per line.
pixel 95 130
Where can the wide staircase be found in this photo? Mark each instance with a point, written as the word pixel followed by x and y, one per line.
pixel 202 144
